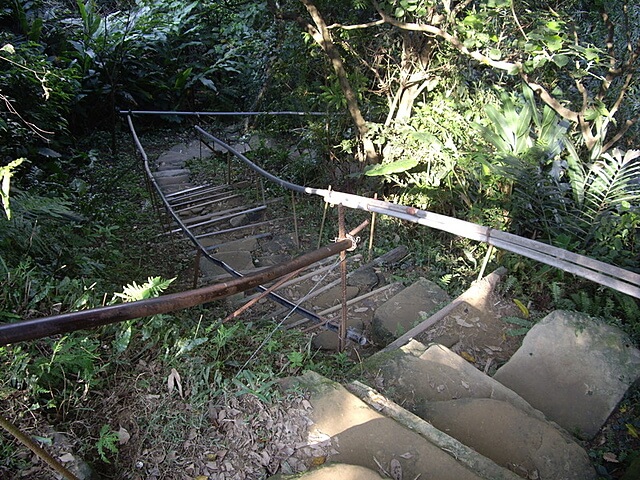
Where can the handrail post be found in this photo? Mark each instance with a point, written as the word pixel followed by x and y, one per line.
pixel 342 335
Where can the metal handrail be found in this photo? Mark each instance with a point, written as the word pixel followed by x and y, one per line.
pixel 594 270
pixel 611 276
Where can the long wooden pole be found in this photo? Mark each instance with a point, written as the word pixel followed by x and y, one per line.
pixel 68 322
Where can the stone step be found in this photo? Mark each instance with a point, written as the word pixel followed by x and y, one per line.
pixel 407 309
pixel 574 368
pixel 333 471
pixel 356 434
pixel 444 389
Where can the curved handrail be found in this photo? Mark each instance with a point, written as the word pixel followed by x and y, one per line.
pixel 67 322
pixel 205 253
pixel 594 270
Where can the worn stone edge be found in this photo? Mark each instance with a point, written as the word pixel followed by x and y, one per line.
pixel 479 464
pixel 487 284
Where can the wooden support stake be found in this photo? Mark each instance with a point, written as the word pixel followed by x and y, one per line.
pixel 371 230
pixel 196 268
pixel 342 331
pixel 485 262
pixel 295 219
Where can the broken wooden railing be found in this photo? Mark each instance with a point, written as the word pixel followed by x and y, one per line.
pixel 85 319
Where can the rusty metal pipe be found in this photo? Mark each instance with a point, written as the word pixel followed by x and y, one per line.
pixel 69 322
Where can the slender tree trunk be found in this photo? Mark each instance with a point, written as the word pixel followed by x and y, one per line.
pixel 322 36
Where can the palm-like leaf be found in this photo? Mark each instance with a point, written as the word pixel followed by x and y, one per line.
pixel 611 181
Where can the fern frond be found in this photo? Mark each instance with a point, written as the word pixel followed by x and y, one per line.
pixel 153 287
pixel 614 179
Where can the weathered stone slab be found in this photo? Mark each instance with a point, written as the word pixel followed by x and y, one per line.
pixel 181 180
pixel 174 172
pixel 362 436
pixel 329 340
pixel 406 309
pixel 364 277
pixel 333 471
pixel 414 376
pixel 237 260
pixel 333 297
pixel 242 245
pixel 511 438
pixel 573 368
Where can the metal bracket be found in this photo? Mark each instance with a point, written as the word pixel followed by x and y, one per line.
pixel 354 241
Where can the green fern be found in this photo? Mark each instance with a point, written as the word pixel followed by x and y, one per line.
pixel 524 324
pixel 153 287
pixel 107 443
pixel 603 186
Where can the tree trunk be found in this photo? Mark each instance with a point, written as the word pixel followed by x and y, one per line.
pixel 322 36
pixel 416 56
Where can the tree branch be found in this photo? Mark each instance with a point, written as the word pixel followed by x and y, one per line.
pixel 452 40
pixel 627 125
pixel 546 97
pixel 375 23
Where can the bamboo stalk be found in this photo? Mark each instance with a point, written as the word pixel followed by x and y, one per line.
pixel 35 448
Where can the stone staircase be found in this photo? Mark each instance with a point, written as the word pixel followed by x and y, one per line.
pixel 449 395
pixel 424 411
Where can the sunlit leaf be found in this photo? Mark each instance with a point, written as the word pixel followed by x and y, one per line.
pixel 398 166
pixel 523 308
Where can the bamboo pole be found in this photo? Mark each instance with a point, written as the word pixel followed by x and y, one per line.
pixel 68 322
pixel 486 284
pixel 324 217
pixel 342 332
pixel 35 448
pixel 479 464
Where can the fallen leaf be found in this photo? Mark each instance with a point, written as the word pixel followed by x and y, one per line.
pixel 468 357
pixel 463 323
pixel 610 457
pixel 395 469
pixel 523 308
pixel 174 381
pixel 123 436
pixel 67 457
pixel 317 461
pixel 407 455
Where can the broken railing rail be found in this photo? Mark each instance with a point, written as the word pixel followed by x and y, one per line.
pixel 86 319
pixel 222 114
pixel 599 272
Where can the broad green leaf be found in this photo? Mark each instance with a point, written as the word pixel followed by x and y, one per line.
pixel 495 54
pixel 560 60
pixel 591 54
pixel 208 83
pixel 555 26
pixel 398 166
pixel 553 42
